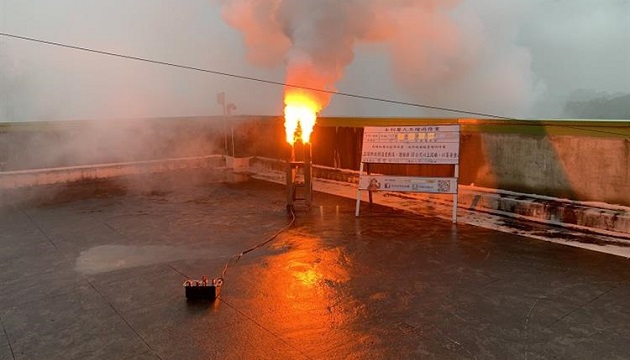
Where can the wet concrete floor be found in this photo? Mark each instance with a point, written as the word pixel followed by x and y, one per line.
pixel 96 270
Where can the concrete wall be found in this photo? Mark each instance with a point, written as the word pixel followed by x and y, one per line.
pixel 587 161
pixel 38 177
pixel 574 167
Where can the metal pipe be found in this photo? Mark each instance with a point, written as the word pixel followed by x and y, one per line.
pixel 295 187
pixel 290 177
pixel 308 171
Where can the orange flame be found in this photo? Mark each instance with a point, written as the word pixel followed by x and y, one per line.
pixel 300 110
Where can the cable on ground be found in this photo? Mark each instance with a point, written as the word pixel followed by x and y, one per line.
pixel 237 257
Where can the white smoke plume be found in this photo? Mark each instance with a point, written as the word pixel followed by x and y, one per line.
pixel 442 51
pixel 316 39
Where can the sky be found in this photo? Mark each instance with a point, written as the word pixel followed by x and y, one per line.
pixel 511 58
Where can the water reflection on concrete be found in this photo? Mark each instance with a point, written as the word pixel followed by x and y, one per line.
pixel 301 292
pixel 358 289
pixel 105 258
pixel 387 285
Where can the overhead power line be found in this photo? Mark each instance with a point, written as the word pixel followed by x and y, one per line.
pixel 283 84
pixel 250 78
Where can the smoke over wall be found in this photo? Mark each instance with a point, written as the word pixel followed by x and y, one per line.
pixel 13 87
pixel 442 53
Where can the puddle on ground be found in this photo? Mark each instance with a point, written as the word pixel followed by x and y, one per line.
pixel 107 258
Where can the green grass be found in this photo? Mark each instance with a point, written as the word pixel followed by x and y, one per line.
pixel 599 128
pixel 596 128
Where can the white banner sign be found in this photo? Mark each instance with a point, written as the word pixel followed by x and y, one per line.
pixel 408 184
pixel 411 144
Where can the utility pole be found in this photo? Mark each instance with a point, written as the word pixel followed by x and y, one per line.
pixel 221 101
pixel 229 108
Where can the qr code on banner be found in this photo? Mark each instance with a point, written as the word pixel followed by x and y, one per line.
pixel 444 186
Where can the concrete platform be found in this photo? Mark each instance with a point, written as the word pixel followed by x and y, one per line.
pixel 95 271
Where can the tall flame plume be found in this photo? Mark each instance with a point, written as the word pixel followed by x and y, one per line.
pixel 300 111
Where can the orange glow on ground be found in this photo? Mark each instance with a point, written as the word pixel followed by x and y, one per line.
pixel 308 278
pixel 300 111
